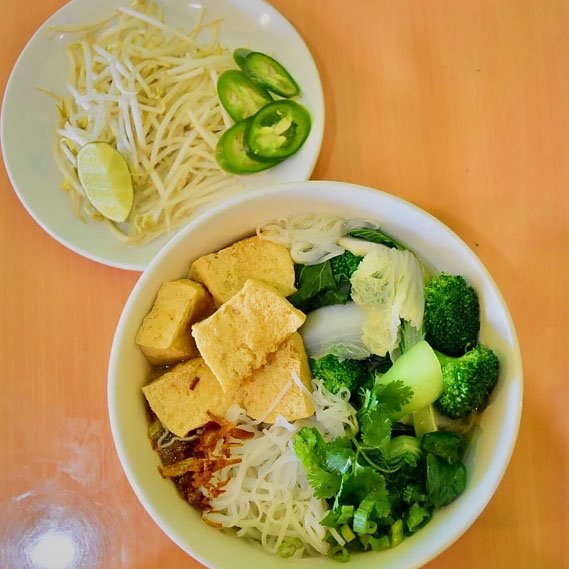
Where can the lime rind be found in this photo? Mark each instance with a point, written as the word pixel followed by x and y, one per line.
pixel 105 177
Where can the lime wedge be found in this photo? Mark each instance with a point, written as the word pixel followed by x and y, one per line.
pixel 104 175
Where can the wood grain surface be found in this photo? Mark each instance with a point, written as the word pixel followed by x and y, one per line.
pixel 459 106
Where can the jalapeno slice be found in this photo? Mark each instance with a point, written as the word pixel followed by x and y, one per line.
pixel 230 153
pixel 240 55
pixel 267 72
pixel 277 131
pixel 240 96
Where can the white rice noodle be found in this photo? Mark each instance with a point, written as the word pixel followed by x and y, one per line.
pixel 161 444
pixel 311 238
pixel 336 535
pixel 279 397
pixel 359 223
pixel 268 497
pixel 334 414
pixel 298 382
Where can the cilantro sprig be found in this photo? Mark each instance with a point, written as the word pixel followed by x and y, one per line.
pixel 379 486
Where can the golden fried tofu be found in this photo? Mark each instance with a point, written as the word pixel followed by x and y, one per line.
pixel 225 272
pixel 238 338
pixel 263 387
pixel 164 336
pixel 182 396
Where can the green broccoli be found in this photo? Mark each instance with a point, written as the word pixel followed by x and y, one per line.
pixel 468 381
pixel 344 265
pixel 452 315
pixel 336 374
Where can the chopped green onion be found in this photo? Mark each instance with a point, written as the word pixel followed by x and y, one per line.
pixel 347 533
pixel 396 533
pixel 362 523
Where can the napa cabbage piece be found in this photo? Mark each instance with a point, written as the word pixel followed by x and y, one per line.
pixel 389 286
pixel 336 330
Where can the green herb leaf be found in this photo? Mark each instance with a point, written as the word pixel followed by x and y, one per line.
pixel 311 280
pixel 382 485
pixel 339 460
pixel 444 444
pixel 308 446
pixel 445 482
pixel 380 404
pixel 364 482
pixel 311 449
pixel 325 484
pixel 339 295
pixel 376 236
pixel 375 427
pixel 325 283
pixel 393 396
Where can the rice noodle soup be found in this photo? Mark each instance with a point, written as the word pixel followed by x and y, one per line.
pixel 314 386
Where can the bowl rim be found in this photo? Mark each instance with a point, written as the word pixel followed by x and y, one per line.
pixel 500 464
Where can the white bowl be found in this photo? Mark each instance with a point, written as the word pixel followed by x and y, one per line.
pixel 29 117
pixel 487 458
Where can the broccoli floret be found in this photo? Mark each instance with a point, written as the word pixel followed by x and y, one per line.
pixel 336 374
pixel 452 315
pixel 468 381
pixel 345 264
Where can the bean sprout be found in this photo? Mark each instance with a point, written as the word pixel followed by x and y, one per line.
pixel 149 90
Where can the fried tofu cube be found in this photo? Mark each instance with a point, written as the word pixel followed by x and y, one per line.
pixel 225 272
pixel 181 397
pixel 238 338
pixel 164 336
pixel 263 387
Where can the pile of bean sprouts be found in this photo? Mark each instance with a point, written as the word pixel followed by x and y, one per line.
pixel 150 91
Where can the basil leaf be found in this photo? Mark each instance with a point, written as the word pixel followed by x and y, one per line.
pixel 311 280
pixel 324 284
pixel 445 482
pixel 446 445
pixel 339 295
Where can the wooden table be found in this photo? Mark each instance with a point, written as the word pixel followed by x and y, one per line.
pixel 460 106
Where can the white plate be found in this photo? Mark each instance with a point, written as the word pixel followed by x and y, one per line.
pixel 29 117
